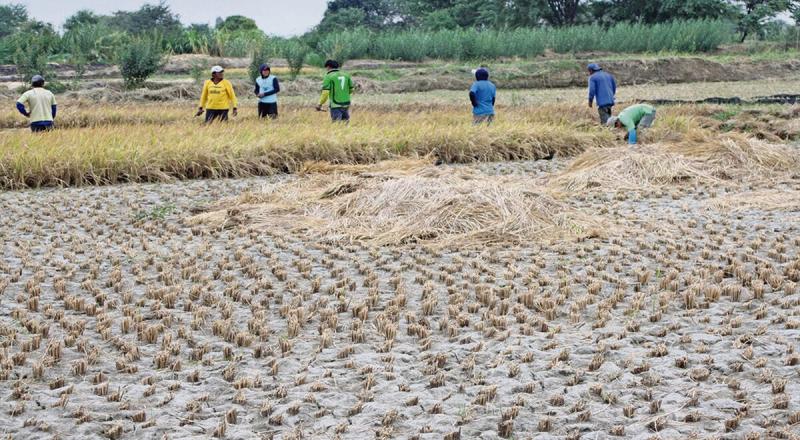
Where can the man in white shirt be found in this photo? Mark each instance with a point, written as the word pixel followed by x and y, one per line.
pixel 41 105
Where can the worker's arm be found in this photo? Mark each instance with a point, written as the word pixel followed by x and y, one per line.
pixel 22 110
pixel 53 110
pixel 276 87
pixel 614 85
pixel 257 91
pixel 592 90
pixel 323 98
pixel 473 99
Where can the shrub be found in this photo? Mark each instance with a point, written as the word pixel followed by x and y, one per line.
pixel 139 60
pixel 295 54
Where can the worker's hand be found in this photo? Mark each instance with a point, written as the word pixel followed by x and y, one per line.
pixel 235 111
pixel 199 112
pixel 261 95
pixel 319 108
pixel 590 105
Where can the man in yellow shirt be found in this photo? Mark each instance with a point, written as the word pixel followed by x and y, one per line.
pixel 218 97
pixel 42 105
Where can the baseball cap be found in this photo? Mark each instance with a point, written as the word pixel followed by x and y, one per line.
pixel 612 121
pixel 37 78
pixel 217 69
pixel 594 67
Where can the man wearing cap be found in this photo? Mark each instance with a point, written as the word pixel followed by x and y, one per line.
pixel 338 87
pixel 482 95
pixel 42 105
pixel 267 88
pixel 633 119
pixel 218 97
pixel 602 88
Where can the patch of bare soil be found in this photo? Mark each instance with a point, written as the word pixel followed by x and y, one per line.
pixel 119 320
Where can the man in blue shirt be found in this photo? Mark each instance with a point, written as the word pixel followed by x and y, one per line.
pixel 602 88
pixel 482 94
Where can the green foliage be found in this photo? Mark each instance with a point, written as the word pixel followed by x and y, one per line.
pixel 260 56
pixel 236 23
pixel 470 44
pixel 239 43
pixel 140 59
pixel 80 19
pixel 295 54
pixel 12 17
pixel 343 46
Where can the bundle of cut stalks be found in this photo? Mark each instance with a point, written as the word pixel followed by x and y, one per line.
pixel 764 200
pixel 648 166
pixel 409 201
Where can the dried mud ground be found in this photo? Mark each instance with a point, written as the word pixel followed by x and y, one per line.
pixel 117 320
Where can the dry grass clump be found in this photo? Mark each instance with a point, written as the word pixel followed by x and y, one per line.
pixel 763 200
pixel 404 202
pixel 649 166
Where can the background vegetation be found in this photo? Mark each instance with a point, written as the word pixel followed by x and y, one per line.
pixel 409 30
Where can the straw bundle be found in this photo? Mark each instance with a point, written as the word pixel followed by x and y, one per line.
pixel 764 200
pixel 721 158
pixel 412 204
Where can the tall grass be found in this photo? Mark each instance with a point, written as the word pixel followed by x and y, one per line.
pixel 130 150
pixel 680 36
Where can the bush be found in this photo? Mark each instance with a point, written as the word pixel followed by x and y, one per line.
pixel 295 54
pixel 140 59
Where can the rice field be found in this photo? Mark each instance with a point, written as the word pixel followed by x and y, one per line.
pixel 412 277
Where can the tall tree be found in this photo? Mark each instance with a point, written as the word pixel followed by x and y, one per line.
pixel 12 17
pixel 755 14
pixel 563 12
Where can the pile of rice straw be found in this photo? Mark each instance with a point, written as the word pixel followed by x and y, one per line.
pixel 656 165
pixel 404 202
pixel 764 200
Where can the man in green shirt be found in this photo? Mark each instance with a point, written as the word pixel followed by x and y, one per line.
pixel 634 118
pixel 337 86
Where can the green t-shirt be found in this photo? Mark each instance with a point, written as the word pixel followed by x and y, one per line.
pixel 631 116
pixel 340 86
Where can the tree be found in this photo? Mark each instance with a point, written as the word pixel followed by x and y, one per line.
pixel 82 18
pixel 755 14
pixel 563 12
pixel 237 23
pixel 643 11
pixel 377 13
pixel 12 17
pixel 147 19
pixel 140 59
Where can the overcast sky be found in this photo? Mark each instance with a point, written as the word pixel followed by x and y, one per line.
pixel 275 17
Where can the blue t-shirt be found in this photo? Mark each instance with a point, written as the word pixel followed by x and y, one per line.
pixel 485 92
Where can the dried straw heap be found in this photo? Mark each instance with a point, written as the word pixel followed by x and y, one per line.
pixel 398 202
pixel 710 161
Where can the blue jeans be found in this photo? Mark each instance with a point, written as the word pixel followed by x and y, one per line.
pixel 340 114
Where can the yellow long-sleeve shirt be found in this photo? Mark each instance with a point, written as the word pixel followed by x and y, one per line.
pixel 219 96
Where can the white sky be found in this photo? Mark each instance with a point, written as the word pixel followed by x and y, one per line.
pixel 275 17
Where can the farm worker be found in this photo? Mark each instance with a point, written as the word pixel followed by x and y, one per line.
pixel 267 89
pixel 217 97
pixel 602 88
pixel 337 86
pixel 482 95
pixel 42 105
pixel 633 118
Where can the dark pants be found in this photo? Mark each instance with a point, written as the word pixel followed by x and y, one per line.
pixel 268 110
pixel 212 115
pixel 341 114
pixel 36 128
pixel 605 113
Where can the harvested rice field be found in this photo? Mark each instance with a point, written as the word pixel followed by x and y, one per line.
pixel 637 293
